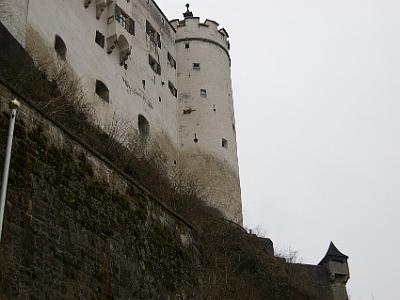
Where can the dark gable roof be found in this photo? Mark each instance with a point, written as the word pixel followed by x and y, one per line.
pixel 333 254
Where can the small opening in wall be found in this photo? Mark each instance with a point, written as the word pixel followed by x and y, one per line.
pixel 196 140
pixel 187 45
pixel 159 99
pixel 144 84
pixel 234 127
pixel 171 60
pixel 214 108
pixel 173 90
pixel 60 47
pixel 224 143
pixel 102 91
pixel 196 66
pixel 155 66
pixel 144 126
pixel 175 163
pixel 153 35
pixel 100 40
pixel 203 93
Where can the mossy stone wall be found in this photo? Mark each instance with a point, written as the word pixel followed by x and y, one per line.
pixel 76 228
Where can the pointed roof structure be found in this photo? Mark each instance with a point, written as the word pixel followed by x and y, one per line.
pixel 333 254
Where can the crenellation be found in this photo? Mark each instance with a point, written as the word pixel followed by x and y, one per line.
pixel 192 29
pixel 212 24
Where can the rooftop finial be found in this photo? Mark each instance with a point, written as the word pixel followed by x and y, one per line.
pixel 188 13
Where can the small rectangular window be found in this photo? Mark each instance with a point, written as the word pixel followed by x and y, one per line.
pixel 187 45
pixel 224 143
pixel 153 35
pixel 171 60
pixel 155 66
pixel 203 93
pixel 102 91
pixel 124 20
pixel 196 66
pixel 172 89
pixel 100 40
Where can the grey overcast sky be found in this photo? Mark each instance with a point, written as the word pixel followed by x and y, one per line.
pixel 317 99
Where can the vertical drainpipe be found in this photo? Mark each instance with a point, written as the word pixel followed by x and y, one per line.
pixel 14 105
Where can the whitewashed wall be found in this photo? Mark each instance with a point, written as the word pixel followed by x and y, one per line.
pixel 77 26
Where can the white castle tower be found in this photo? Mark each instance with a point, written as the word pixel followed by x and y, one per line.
pixel 206 133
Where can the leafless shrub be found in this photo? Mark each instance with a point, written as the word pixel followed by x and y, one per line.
pixel 118 131
pixel 290 255
pixel 70 99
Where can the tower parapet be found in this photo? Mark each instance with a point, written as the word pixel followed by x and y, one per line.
pixel 192 29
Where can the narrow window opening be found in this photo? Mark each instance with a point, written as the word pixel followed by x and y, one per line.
pixel 100 39
pixel 196 140
pixel 171 60
pixel 159 99
pixel 153 35
pixel 214 108
pixel 196 66
pixel 187 45
pixel 102 91
pixel 144 84
pixel 155 66
pixel 203 93
pixel 175 162
pixel 144 126
pixel 224 143
pixel 173 90
pixel 60 48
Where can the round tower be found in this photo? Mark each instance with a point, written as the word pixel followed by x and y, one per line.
pixel 207 137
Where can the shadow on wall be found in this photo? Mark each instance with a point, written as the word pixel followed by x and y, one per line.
pixel 220 183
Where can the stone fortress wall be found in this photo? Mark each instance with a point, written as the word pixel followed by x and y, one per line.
pixel 134 67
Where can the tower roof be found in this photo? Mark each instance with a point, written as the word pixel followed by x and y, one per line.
pixel 333 254
pixel 188 13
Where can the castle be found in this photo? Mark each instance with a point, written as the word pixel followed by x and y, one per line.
pixel 170 81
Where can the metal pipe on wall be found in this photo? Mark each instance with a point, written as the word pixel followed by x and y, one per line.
pixel 14 105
